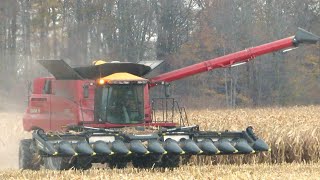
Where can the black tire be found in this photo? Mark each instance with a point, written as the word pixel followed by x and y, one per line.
pixel 170 161
pixel 83 163
pixel 118 163
pixel 145 162
pixel 185 159
pixel 27 157
pixel 57 163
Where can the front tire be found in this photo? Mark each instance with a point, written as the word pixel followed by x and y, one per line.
pixel 56 163
pixel 145 162
pixel 170 161
pixel 83 163
pixel 118 163
pixel 27 156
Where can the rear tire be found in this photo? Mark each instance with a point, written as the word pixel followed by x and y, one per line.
pixel 56 163
pixel 27 156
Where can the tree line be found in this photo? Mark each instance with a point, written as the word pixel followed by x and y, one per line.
pixel 181 32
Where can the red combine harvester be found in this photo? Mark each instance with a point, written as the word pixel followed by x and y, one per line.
pixel 102 114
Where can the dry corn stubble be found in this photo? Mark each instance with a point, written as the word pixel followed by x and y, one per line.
pixel 292 133
pixel 257 171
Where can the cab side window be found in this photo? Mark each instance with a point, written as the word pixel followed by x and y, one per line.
pixel 47 88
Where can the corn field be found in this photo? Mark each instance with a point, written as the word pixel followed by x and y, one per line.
pixel 291 132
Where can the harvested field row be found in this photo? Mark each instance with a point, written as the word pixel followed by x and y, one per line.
pixel 258 171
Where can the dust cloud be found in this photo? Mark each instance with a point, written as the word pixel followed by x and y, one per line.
pixel 11 132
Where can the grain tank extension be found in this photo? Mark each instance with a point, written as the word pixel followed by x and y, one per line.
pixel 103 114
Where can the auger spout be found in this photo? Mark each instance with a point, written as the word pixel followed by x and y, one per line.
pixel 301 36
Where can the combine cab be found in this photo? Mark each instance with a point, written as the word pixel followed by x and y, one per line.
pixel 103 114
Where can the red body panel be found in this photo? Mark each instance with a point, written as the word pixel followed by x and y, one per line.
pixel 65 105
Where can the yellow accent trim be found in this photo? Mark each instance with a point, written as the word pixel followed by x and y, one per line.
pixel 253 151
pixel 98 62
pixel 165 152
pixel 200 152
pixel 235 151
pixel 93 154
pixel 122 76
pixel 218 152
pixel 182 152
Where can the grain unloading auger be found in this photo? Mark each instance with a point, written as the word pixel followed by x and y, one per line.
pixel 102 114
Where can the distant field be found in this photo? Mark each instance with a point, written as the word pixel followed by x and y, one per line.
pixel 292 132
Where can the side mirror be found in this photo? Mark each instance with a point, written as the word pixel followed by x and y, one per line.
pixel 85 91
pixel 167 89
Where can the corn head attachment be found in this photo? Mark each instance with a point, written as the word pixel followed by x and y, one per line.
pixel 117 148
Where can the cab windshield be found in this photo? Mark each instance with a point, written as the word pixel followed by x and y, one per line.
pixel 121 104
